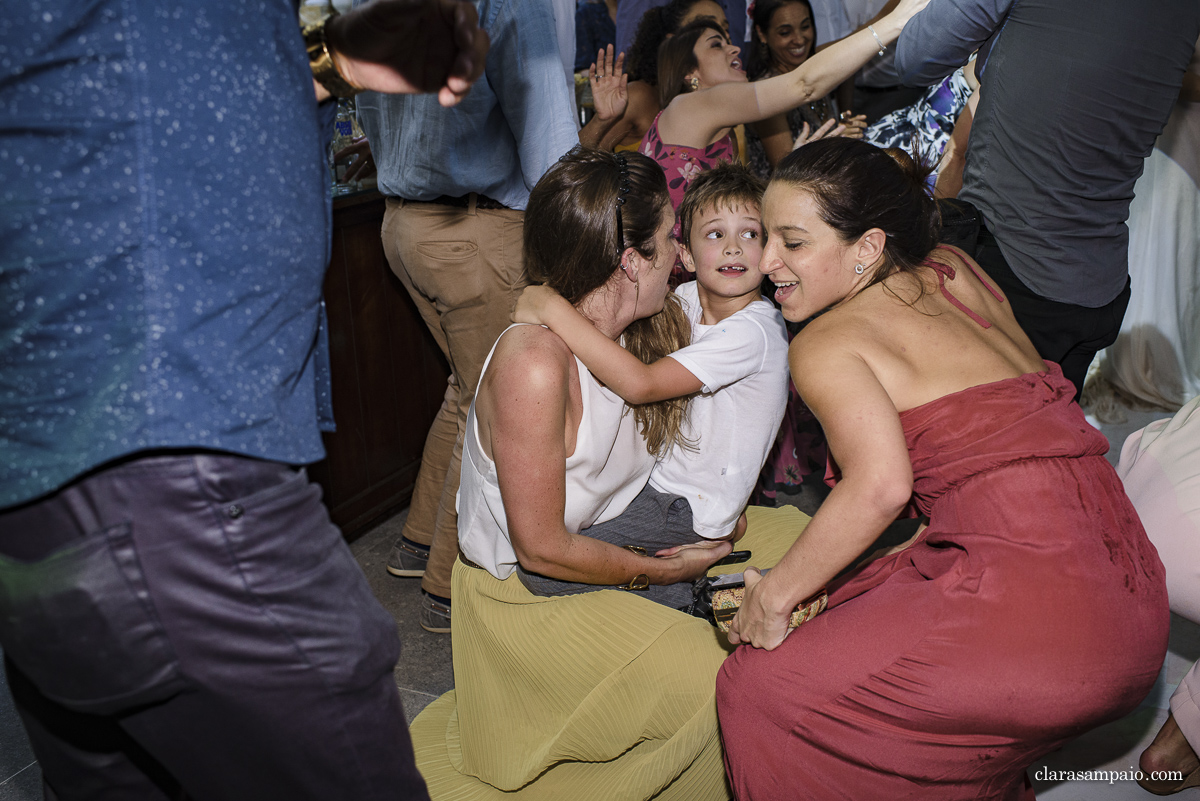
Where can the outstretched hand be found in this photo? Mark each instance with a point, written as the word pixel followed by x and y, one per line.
pixel 608 79
pixel 827 129
pixel 410 46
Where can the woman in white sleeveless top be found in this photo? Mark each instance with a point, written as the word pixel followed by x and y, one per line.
pixel 548 450
pixel 604 694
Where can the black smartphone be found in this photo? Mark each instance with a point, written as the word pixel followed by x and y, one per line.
pixel 735 558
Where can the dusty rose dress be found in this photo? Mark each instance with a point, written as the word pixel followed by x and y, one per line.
pixel 1031 609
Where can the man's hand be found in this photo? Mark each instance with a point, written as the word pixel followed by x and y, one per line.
pixel 410 46
pixel 856 124
pixel 362 163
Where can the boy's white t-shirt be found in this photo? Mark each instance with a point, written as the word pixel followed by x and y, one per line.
pixel 742 364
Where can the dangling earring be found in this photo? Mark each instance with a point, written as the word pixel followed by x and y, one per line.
pixel 858 268
pixel 694 83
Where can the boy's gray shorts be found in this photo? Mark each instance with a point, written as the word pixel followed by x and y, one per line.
pixel 653 520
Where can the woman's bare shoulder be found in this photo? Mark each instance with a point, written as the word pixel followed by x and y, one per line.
pixel 531 372
pixel 827 340
pixel 963 265
pixel 867 329
pixel 533 351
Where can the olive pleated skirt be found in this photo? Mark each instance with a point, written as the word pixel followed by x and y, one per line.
pixel 598 696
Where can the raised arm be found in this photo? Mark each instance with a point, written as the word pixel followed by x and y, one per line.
pixel 610 96
pixel 524 415
pixel 865 436
pixel 633 380
pixel 820 74
pixel 700 115
pixel 943 37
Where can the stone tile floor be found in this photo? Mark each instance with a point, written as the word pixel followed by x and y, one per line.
pixel 425 671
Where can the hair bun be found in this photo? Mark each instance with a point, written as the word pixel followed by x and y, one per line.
pixel 917 169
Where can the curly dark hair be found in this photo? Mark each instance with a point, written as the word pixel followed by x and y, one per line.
pixel 654 27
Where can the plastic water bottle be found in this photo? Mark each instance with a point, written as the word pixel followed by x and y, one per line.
pixel 345 133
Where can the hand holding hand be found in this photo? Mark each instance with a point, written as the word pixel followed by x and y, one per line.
pixel 362 163
pixel 827 129
pixel 692 561
pixel 906 10
pixel 410 46
pixel 756 623
pixel 534 305
pixel 608 80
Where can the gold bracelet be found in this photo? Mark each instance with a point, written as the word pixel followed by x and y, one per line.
pixel 639 582
pixel 320 59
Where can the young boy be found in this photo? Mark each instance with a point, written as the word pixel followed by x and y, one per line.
pixel 737 361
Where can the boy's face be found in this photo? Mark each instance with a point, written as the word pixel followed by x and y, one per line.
pixel 724 249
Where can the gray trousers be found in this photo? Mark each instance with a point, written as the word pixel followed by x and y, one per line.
pixel 195 622
pixel 653 520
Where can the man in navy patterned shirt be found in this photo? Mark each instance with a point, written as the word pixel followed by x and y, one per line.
pixel 177 613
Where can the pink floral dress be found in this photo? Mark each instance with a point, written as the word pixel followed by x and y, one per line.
pixel 682 163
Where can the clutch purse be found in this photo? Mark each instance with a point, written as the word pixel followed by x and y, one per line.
pixel 718 598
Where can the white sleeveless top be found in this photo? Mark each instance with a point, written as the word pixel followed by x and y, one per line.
pixel 608 469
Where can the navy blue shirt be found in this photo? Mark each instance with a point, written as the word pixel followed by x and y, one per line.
pixel 594 30
pixel 165 233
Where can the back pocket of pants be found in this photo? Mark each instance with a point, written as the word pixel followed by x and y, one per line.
pixel 81 625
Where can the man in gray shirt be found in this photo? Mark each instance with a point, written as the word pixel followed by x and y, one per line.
pixel 1073 95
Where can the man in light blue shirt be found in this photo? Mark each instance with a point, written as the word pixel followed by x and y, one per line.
pixel 457 181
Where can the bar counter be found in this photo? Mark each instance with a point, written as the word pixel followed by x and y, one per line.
pixel 388 375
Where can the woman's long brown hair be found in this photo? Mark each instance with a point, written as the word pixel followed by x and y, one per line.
pixel 571 245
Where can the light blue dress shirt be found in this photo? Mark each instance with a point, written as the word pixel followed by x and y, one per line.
pixel 512 126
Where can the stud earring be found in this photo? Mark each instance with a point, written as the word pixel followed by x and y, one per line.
pixel 695 83
pixel 858 268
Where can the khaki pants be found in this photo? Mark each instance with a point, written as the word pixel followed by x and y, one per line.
pixel 464 268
